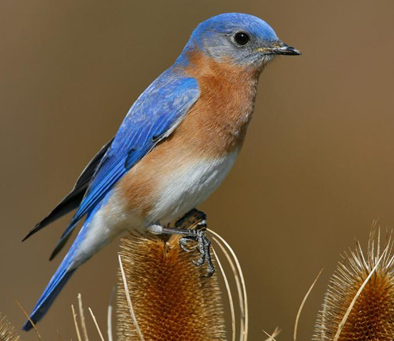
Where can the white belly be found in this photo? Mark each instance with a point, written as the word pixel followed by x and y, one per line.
pixel 179 192
pixel 187 188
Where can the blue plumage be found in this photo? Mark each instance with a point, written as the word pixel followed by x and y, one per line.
pixel 60 278
pixel 229 22
pixel 153 117
pixel 155 113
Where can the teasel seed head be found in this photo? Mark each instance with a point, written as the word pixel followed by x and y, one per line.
pixel 171 297
pixel 7 331
pixel 372 315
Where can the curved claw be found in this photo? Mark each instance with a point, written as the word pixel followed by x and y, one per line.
pixel 183 242
pixel 200 261
pixel 211 268
pixel 192 228
pixel 201 238
pixel 203 247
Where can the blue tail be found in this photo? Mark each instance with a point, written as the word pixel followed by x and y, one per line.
pixel 62 274
pixel 56 284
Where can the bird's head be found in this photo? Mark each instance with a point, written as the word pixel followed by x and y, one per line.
pixel 240 39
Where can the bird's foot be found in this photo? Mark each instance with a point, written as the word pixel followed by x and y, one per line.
pixel 203 246
pixel 192 227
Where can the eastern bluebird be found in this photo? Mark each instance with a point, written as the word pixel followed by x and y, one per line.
pixel 175 146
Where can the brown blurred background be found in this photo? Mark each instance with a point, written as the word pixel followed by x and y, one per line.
pixel 316 169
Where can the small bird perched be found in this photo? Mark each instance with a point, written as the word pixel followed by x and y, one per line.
pixel 175 146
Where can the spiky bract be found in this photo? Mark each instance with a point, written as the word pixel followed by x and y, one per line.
pixel 372 316
pixel 7 331
pixel 172 298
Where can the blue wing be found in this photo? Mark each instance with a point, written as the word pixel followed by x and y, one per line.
pixel 155 114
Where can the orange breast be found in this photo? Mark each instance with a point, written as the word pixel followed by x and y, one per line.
pixel 215 126
pixel 218 121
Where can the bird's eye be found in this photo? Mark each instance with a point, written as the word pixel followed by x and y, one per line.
pixel 241 38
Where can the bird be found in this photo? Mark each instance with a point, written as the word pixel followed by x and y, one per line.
pixel 173 149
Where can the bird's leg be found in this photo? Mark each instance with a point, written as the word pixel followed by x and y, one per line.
pixel 192 227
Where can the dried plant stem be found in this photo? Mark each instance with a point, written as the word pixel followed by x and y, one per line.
pixel 28 317
pixel 230 296
pixel 302 305
pixel 239 280
pixel 82 317
pixel 76 323
pixel 243 334
pixel 126 289
pixel 345 317
pixel 109 315
pixel 96 324
pixel 273 335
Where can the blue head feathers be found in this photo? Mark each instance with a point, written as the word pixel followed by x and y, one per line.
pixel 230 23
pixel 239 38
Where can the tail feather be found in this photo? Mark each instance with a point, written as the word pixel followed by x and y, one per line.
pixel 72 200
pixel 65 270
pixel 68 204
pixel 63 239
pixel 56 284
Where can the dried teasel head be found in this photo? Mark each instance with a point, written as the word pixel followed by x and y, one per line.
pixel 171 297
pixel 7 331
pixel 355 308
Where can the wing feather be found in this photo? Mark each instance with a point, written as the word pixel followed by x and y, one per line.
pixel 154 116
pixel 73 199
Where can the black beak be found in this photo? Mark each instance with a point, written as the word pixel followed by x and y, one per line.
pixel 287 50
